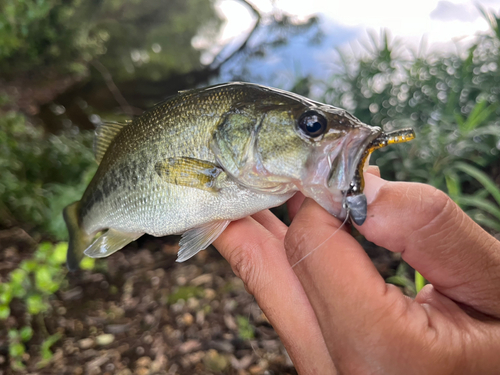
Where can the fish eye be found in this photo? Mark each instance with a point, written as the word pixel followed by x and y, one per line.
pixel 312 124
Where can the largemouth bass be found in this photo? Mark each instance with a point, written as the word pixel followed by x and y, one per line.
pixel 206 157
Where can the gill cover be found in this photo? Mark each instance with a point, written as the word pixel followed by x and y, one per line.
pixel 234 146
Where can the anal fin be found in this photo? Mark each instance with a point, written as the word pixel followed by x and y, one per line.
pixel 197 239
pixel 109 243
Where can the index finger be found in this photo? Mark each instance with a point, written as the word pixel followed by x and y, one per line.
pixel 351 300
pixel 257 256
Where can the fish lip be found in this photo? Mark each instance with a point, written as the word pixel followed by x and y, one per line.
pixel 376 134
pixel 356 155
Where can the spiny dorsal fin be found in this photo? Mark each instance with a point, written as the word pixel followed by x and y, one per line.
pixel 104 135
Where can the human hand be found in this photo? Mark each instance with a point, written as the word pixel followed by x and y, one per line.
pixel 335 307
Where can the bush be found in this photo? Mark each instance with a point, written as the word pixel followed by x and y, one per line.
pixel 44 32
pixel 40 174
pixel 451 101
pixel 65 36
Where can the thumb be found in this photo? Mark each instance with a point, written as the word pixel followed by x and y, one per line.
pixel 436 238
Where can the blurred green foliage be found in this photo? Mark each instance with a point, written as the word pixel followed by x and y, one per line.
pixel 184 293
pixel 451 101
pixel 479 201
pixel 245 329
pixel 126 35
pixel 34 33
pixel 40 174
pixel 32 284
pixel 401 278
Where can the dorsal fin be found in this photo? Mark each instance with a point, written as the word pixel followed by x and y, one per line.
pixel 104 135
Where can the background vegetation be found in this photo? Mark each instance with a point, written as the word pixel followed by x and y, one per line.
pixel 63 64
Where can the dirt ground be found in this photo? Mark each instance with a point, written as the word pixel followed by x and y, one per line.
pixel 140 312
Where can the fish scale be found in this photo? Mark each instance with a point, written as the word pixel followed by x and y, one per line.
pixel 209 156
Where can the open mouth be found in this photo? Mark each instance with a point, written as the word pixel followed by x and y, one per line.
pixel 355 200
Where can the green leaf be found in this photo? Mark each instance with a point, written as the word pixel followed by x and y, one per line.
pixel 18 276
pixel 4 312
pixel 245 329
pixel 35 304
pixel 481 203
pixel 44 250
pixel 5 293
pixel 17 365
pixel 28 265
pixel 185 292
pixel 475 117
pixel 59 254
pixel 51 340
pixel 26 333
pixel 44 281
pixel 13 334
pixel 452 183
pixel 18 290
pixel 87 263
pixel 45 349
pixel 487 222
pixel 400 281
pixel 16 349
pixel 482 178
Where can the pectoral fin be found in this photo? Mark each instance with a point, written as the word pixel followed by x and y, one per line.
pixel 190 172
pixel 197 239
pixel 110 242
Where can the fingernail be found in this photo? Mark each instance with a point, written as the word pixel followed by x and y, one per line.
pixel 372 187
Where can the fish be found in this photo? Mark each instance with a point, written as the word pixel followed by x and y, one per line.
pixel 209 156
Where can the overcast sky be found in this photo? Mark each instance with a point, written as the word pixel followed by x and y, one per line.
pixel 438 20
pixel 445 25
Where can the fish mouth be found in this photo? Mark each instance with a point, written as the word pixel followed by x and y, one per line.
pixel 354 199
pixel 347 161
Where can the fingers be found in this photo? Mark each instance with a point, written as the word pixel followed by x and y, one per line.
pixel 374 170
pixel 294 204
pixel 270 222
pixel 436 238
pixel 351 300
pixel 258 257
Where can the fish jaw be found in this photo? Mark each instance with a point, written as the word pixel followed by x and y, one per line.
pixel 329 172
pixel 347 161
pixel 355 200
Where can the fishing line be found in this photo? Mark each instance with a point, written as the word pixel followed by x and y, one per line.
pixel 322 243
pixel 252 345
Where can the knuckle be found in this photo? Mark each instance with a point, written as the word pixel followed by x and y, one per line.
pixel 434 201
pixel 432 210
pixel 295 241
pixel 243 262
pixel 247 261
